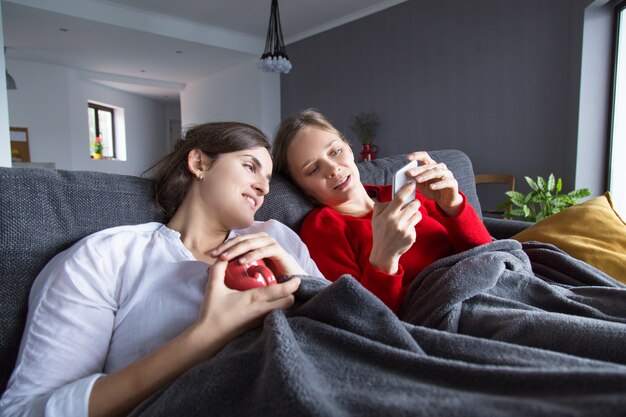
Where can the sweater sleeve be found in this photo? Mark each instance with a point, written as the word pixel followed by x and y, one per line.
pixel 335 246
pixel 466 229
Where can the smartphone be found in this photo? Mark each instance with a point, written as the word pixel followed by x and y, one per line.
pixel 400 178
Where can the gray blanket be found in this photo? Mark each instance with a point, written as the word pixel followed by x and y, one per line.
pixel 529 294
pixel 340 352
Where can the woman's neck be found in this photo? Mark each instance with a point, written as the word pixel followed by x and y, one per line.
pixel 198 234
pixel 357 206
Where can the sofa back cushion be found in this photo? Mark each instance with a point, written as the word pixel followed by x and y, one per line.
pixel 43 212
pixel 289 205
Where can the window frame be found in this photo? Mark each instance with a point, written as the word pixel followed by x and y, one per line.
pixel 111 110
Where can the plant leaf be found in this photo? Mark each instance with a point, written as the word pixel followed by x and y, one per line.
pixel 531 183
pixel 580 193
pixel 541 183
pixel 551 182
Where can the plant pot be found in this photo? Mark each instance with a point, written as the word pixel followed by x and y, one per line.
pixel 97 156
pixel 368 152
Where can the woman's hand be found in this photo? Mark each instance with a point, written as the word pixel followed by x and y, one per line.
pixel 229 313
pixel 436 182
pixel 393 229
pixel 257 246
pixel 224 315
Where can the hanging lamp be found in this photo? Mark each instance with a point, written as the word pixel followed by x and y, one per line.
pixel 274 58
pixel 10 80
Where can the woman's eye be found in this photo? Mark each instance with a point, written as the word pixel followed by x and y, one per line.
pixel 312 171
pixel 337 151
pixel 249 167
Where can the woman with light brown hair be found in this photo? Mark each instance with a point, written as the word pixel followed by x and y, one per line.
pixel 361 230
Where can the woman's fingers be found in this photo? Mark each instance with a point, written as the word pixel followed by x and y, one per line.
pixel 231 312
pixel 422 157
pixel 427 173
pixel 403 201
pixel 217 272
pixel 249 248
pixel 239 245
pixel 260 301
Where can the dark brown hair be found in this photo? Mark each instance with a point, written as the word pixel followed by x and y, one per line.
pixel 288 130
pixel 172 178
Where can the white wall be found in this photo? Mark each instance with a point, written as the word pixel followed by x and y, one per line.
pixel 41 104
pixel 146 137
pixel 242 93
pixel 5 141
pixel 51 101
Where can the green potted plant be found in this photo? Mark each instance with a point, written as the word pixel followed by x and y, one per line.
pixel 544 199
pixel 365 125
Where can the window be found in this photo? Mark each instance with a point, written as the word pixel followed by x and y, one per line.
pixel 617 147
pixel 101 131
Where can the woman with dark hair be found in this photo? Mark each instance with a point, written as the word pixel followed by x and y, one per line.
pixel 125 311
pixel 361 230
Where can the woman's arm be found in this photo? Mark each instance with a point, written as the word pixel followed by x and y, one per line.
pixel 466 229
pixel 70 328
pixel 338 248
pixel 437 183
pixel 393 230
pixel 225 315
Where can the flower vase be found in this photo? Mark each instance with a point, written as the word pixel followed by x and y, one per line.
pixel 368 152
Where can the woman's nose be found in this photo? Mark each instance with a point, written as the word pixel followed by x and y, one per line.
pixel 263 186
pixel 332 170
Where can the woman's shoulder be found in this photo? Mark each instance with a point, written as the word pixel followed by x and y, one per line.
pixel 323 217
pixel 124 231
pixel 114 238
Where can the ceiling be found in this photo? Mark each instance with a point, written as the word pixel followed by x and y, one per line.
pixel 155 47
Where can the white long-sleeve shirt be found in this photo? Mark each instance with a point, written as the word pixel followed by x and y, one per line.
pixel 104 303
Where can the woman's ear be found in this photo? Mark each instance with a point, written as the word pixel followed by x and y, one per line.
pixel 196 162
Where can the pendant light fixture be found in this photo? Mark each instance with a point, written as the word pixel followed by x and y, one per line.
pixel 274 58
pixel 10 80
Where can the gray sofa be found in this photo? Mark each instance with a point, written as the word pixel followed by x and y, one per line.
pixel 45 211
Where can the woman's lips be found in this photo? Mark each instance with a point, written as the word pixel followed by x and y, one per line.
pixel 345 183
pixel 252 202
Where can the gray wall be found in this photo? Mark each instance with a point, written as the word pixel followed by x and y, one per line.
pixel 498 79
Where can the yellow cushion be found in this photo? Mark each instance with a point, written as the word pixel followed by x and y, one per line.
pixel 591 231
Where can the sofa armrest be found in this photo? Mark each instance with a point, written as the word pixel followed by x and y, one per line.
pixel 504 228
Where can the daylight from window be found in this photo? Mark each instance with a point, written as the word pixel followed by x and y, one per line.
pixel 107 139
pixel 617 186
pixel 101 133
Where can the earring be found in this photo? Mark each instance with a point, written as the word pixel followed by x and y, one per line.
pixel 200 177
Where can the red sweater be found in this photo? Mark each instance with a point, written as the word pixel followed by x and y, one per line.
pixel 341 244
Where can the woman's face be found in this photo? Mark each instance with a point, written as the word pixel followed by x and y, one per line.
pixel 235 186
pixel 322 164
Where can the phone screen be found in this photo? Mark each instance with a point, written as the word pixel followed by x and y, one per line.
pixel 400 178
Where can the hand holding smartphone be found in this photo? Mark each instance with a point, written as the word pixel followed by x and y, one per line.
pixel 400 179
